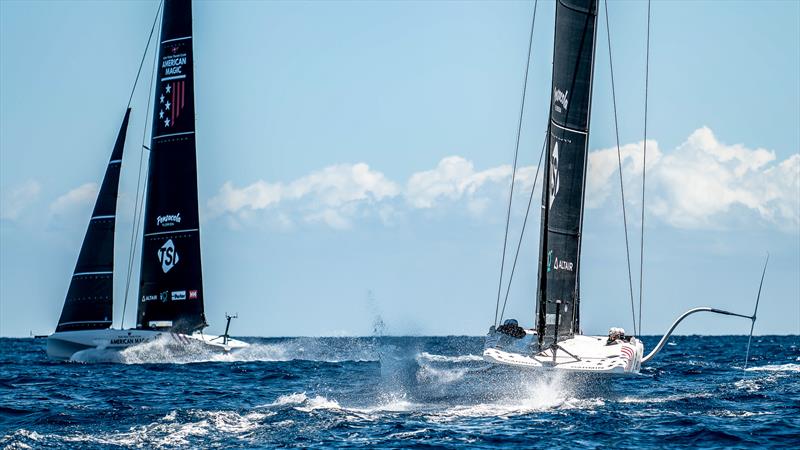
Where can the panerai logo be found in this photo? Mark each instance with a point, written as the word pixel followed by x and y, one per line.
pixel 553 185
pixel 168 256
pixel 560 97
pixel 553 263
pixel 168 220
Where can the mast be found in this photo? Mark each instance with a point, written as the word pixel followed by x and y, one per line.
pixel 89 302
pixel 171 284
pixel 565 172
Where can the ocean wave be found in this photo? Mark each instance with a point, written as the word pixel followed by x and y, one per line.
pixel 776 368
pixel 454 359
pixel 664 399
pixel 301 401
pixel 168 432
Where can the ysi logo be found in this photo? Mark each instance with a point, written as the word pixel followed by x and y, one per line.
pixel 560 97
pixel 168 256
pixel 168 220
pixel 553 182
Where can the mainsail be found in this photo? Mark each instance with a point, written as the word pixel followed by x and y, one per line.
pixel 565 172
pixel 89 301
pixel 171 285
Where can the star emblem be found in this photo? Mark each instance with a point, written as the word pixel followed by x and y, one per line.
pixel 166 106
pixel 169 88
pixel 166 122
pixel 162 98
pixel 161 114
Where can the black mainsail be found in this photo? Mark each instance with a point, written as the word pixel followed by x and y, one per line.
pixel 565 172
pixel 171 285
pixel 89 302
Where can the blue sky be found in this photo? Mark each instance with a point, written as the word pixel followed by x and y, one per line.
pixel 354 160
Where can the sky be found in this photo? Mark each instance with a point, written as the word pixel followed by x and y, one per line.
pixel 355 159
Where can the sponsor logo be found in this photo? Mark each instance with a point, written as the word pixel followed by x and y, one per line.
pixel 149 298
pixel 554 179
pixel 164 296
pixel 179 295
pixel 168 220
pixel 128 340
pixel 193 294
pixel 168 256
pixel 173 65
pixel 560 97
pixel 553 263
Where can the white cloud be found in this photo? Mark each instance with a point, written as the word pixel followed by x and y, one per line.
pixel 333 195
pixel 452 178
pixel 17 199
pixel 79 198
pixel 703 183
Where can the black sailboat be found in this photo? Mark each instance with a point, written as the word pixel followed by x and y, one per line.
pixel 557 340
pixel 170 301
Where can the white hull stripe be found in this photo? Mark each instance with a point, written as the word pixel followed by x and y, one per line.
pixel 116 161
pixel 172 232
pixel 567 128
pixel 103 217
pixel 176 77
pixel 78 274
pixel 173 134
pixel 84 321
pixel 176 39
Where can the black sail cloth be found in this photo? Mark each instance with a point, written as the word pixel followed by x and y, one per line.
pixel 171 285
pixel 562 200
pixel 89 302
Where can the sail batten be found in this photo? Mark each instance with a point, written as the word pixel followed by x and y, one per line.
pixel 89 301
pixel 565 171
pixel 171 286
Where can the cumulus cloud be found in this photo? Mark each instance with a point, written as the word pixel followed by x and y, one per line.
pixel 333 195
pixel 76 199
pixel 18 198
pixel 703 183
pixel 452 178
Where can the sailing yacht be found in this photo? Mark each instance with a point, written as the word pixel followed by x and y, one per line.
pixel 171 296
pixel 556 341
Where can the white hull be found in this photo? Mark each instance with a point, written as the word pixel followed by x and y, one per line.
pixel 592 354
pixel 63 345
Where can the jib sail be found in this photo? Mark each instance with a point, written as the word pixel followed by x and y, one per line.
pixel 89 301
pixel 565 172
pixel 171 283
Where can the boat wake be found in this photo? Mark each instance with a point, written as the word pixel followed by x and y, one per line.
pixel 165 351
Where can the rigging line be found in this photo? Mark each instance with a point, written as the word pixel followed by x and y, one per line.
pixel 755 311
pixel 139 201
pixel 619 161
pixel 144 55
pixel 644 165
pixel 524 223
pixel 514 169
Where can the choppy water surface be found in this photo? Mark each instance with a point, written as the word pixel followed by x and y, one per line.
pixel 395 392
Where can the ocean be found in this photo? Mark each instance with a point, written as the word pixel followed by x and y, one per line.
pixel 397 392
